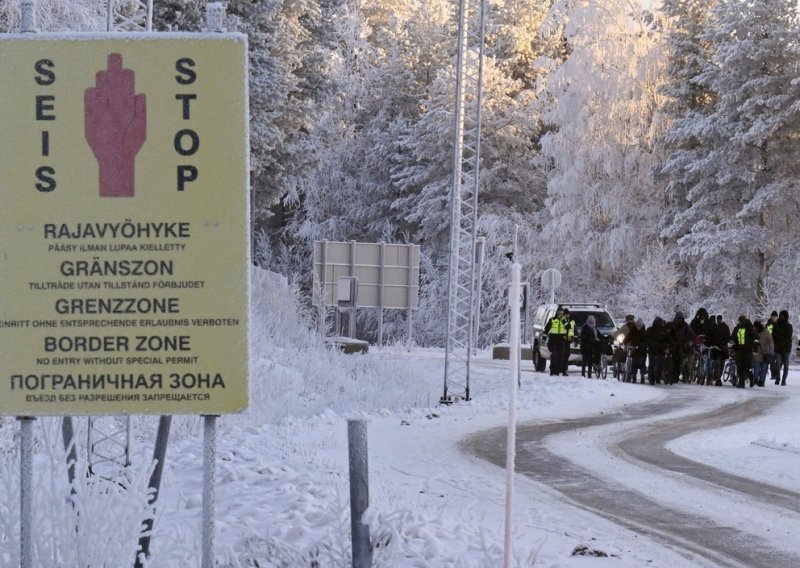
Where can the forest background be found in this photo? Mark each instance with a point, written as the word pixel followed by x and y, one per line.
pixel 649 155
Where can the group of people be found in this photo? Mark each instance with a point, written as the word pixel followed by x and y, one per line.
pixel 665 350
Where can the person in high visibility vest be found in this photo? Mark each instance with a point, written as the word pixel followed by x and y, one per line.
pixel 556 330
pixel 570 326
pixel 743 341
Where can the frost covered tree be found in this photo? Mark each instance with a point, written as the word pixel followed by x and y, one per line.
pixel 687 103
pixel 285 94
pixel 603 203
pixel 743 219
pixel 655 287
pixel 516 38
pixel 57 15
pixel 178 15
pixel 377 83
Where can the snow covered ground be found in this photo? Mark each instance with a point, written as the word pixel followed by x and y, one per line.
pixel 283 490
pixel 282 496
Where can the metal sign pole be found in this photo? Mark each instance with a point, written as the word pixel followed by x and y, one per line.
pixel 26 492
pixel 27 25
pixel 480 244
pixel 209 466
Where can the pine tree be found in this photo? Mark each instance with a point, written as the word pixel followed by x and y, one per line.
pixel 688 101
pixel 743 218
pixel 285 93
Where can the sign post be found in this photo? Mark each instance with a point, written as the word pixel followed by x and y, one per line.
pixel 551 279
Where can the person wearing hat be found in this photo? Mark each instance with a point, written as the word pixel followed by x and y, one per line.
pixel 637 339
pixel 782 336
pixel 625 328
pixel 556 330
pixel 590 338
pixel 657 339
pixel 744 337
pixel 700 323
pixel 681 337
pixel 570 325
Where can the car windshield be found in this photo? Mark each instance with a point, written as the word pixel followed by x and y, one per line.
pixel 601 318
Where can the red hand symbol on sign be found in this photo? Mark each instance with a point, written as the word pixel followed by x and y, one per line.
pixel 115 125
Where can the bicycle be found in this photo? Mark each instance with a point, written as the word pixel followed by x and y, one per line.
pixel 629 375
pixel 702 364
pixel 729 374
pixel 601 366
pixel 687 367
pixel 618 361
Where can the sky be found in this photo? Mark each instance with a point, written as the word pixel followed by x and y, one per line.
pixel 281 493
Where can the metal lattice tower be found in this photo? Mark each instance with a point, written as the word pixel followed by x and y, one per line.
pixel 110 436
pixel 129 16
pixel 464 199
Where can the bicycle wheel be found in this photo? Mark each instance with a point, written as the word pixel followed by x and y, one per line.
pixel 628 367
pixel 602 372
pixel 687 369
pixel 729 372
pixel 699 371
pixel 716 370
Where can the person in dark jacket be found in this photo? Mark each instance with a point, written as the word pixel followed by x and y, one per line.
pixel 636 338
pixel 718 336
pixel 657 340
pixel 723 336
pixel 744 338
pixel 782 337
pixel 590 345
pixel 700 323
pixel 681 337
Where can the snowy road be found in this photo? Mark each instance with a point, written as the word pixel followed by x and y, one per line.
pixel 633 445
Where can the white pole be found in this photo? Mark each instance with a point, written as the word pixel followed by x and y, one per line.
pixel 28 17
pixel 512 408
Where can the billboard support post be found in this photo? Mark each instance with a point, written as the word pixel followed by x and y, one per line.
pixel 159 455
pixel 209 466
pixel 26 491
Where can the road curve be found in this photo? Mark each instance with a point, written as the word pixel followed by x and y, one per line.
pixel 692 535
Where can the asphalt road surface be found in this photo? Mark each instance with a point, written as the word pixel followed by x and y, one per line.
pixel 701 539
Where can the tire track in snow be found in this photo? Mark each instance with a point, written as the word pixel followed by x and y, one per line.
pixel 693 535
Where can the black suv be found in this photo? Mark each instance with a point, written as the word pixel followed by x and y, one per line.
pixel 578 313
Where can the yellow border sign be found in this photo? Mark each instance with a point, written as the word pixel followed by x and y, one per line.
pixel 124 238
